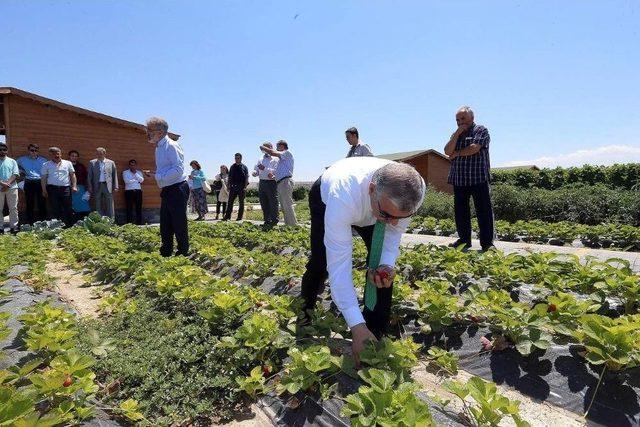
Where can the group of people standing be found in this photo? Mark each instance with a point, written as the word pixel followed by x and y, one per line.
pixel 62 189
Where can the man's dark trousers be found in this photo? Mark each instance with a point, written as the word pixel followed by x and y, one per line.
pixel 482 202
pixel 236 190
pixel 60 198
pixel 268 194
pixel 133 200
pixel 173 219
pixel 316 273
pixel 33 195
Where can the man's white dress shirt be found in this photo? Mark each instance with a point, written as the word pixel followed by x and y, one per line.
pixel 345 192
pixel 132 180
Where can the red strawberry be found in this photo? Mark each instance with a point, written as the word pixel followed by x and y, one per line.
pixel 67 381
pixel 486 344
pixel 384 275
pixel 552 308
pixel 474 319
pixel 266 370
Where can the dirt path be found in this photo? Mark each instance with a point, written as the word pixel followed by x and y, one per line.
pixel 74 289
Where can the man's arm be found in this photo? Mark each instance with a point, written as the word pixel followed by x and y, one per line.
pixel 480 140
pixel 43 181
pixel 451 145
pixel 115 177
pixel 177 165
pixel 74 181
pixel 15 174
pixel 270 151
pixel 90 177
pixel 139 177
pixel 246 174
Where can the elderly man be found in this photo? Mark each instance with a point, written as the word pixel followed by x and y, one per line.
pixel 267 187
pixel 468 150
pixel 357 149
pixel 376 197
pixel 30 167
pixel 174 193
pixel 9 173
pixel 58 181
pixel 283 176
pixel 102 181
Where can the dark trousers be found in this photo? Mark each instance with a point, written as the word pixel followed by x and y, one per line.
pixel 268 194
pixel 60 199
pixel 133 201
pixel 173 219
pixel 239 192
pixel 316 273
pixel 482 202
pixel 222 205
pixel 33 196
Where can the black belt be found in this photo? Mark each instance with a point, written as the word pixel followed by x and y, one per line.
pixel 177 184
pixel 282 179
pixel 58 186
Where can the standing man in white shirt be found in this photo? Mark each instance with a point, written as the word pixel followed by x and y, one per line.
pixel 102 180
pixel 283 176
pixel 360 193
pixel 132 178
pixel 267 188
pixel 357 148
pixel 58 181
pixel 174 193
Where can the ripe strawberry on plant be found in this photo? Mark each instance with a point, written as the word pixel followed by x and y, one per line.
pixel 487 345
pixel 552 308
pixel 67 381
pixel 266 369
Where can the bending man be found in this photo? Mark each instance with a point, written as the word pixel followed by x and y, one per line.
pixel 358 192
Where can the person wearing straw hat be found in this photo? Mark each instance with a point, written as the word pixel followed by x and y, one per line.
pixel 375 197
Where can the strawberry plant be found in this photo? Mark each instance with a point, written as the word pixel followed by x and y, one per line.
pixel 397 356
pixel 564 312
pixel 382 401
pixel 253 384
pixel 490 406
pixel 444 360
pixel 525 328
pixel 307 369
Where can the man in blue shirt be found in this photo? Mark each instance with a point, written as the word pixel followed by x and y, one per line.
pixel 8 188
pixel 30 167
pixel 174 193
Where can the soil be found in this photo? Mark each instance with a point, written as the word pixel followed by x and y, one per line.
pixel 257 417
pixel 74 289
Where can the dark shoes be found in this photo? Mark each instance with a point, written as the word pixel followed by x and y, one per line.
pixel 459 244
pixel 488 247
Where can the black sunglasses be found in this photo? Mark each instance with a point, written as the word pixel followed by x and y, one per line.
pixel 386 215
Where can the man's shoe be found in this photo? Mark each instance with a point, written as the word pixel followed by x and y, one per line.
pixel 13 231
pixel 488 247
pixel 464 246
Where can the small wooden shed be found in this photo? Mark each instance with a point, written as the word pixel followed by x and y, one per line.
pixel 27 118
pixel 432 166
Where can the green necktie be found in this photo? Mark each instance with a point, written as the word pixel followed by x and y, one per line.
pixel 370 290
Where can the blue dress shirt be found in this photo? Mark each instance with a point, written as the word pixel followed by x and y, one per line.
pixel 169 163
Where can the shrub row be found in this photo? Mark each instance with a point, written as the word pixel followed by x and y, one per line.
pixel 591 205
pixel 623 176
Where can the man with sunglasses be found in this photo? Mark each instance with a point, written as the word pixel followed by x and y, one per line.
pixel 30 168
pixel 357 193
pixel 9 173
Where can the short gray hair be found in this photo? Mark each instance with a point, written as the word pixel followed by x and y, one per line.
pixel 466 109
pixel 402 184
pixel 157 122
pixel 55 150
pixel 101 149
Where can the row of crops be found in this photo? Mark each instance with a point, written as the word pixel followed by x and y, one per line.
pixel 224 328
pixel 614 236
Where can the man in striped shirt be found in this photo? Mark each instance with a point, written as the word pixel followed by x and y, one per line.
pixel 468 150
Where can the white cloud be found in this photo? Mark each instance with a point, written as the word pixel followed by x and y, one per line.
pixel 605 155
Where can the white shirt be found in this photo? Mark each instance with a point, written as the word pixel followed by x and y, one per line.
pixel 132 180
pixel 58 173
pixel 344 189
pixel 103 177
pixel 270 164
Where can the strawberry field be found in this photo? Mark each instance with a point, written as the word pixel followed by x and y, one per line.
pixel 476 338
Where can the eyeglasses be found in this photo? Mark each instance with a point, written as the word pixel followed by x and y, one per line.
pixel 33 150
pixel 3 149
pixel 386 215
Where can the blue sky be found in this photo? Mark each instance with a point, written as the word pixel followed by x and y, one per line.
pixel 555 82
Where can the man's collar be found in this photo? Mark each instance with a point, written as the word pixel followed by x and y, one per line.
pixel 162 141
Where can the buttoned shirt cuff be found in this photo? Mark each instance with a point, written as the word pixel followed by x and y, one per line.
pixel 353 316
